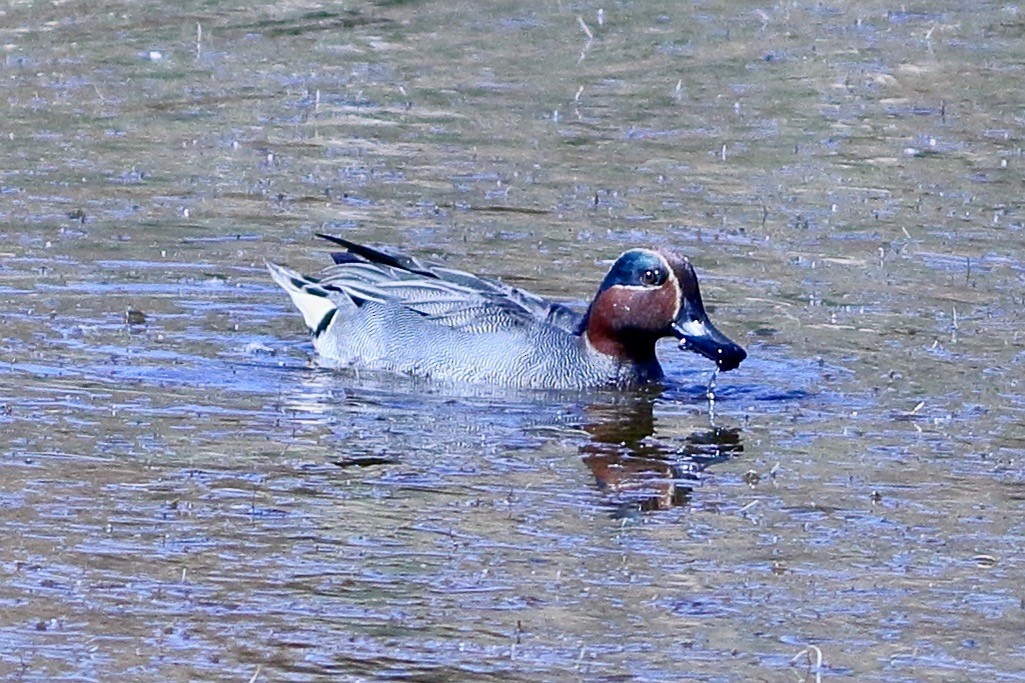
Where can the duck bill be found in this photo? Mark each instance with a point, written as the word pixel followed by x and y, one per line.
pixel 697 333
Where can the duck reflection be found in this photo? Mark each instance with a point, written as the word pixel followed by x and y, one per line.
pixel 635 470
pixel 639 472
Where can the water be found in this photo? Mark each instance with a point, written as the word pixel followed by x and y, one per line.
pixel 186 496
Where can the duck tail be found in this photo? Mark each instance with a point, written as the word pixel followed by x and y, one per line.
pixel 314 302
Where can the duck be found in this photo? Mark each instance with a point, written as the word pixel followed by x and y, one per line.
pixel 379 309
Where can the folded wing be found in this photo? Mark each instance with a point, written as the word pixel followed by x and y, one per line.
pixel 449 297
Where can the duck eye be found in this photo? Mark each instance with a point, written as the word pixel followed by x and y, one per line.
pixel 652 277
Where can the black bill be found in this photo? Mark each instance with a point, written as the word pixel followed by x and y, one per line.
pixel 697 333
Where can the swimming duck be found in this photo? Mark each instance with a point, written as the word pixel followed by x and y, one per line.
pixel 379 309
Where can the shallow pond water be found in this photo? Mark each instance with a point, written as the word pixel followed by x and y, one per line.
pixel 185 496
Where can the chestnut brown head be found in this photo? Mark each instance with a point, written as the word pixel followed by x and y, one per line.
pixel 647 295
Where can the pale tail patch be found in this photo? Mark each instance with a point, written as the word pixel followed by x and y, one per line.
pixel 313 302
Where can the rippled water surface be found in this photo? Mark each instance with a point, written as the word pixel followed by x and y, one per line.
pixel 184 495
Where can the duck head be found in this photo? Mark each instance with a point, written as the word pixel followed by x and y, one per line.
pixel 648 295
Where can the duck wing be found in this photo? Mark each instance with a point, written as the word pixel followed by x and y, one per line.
pixel 447 296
